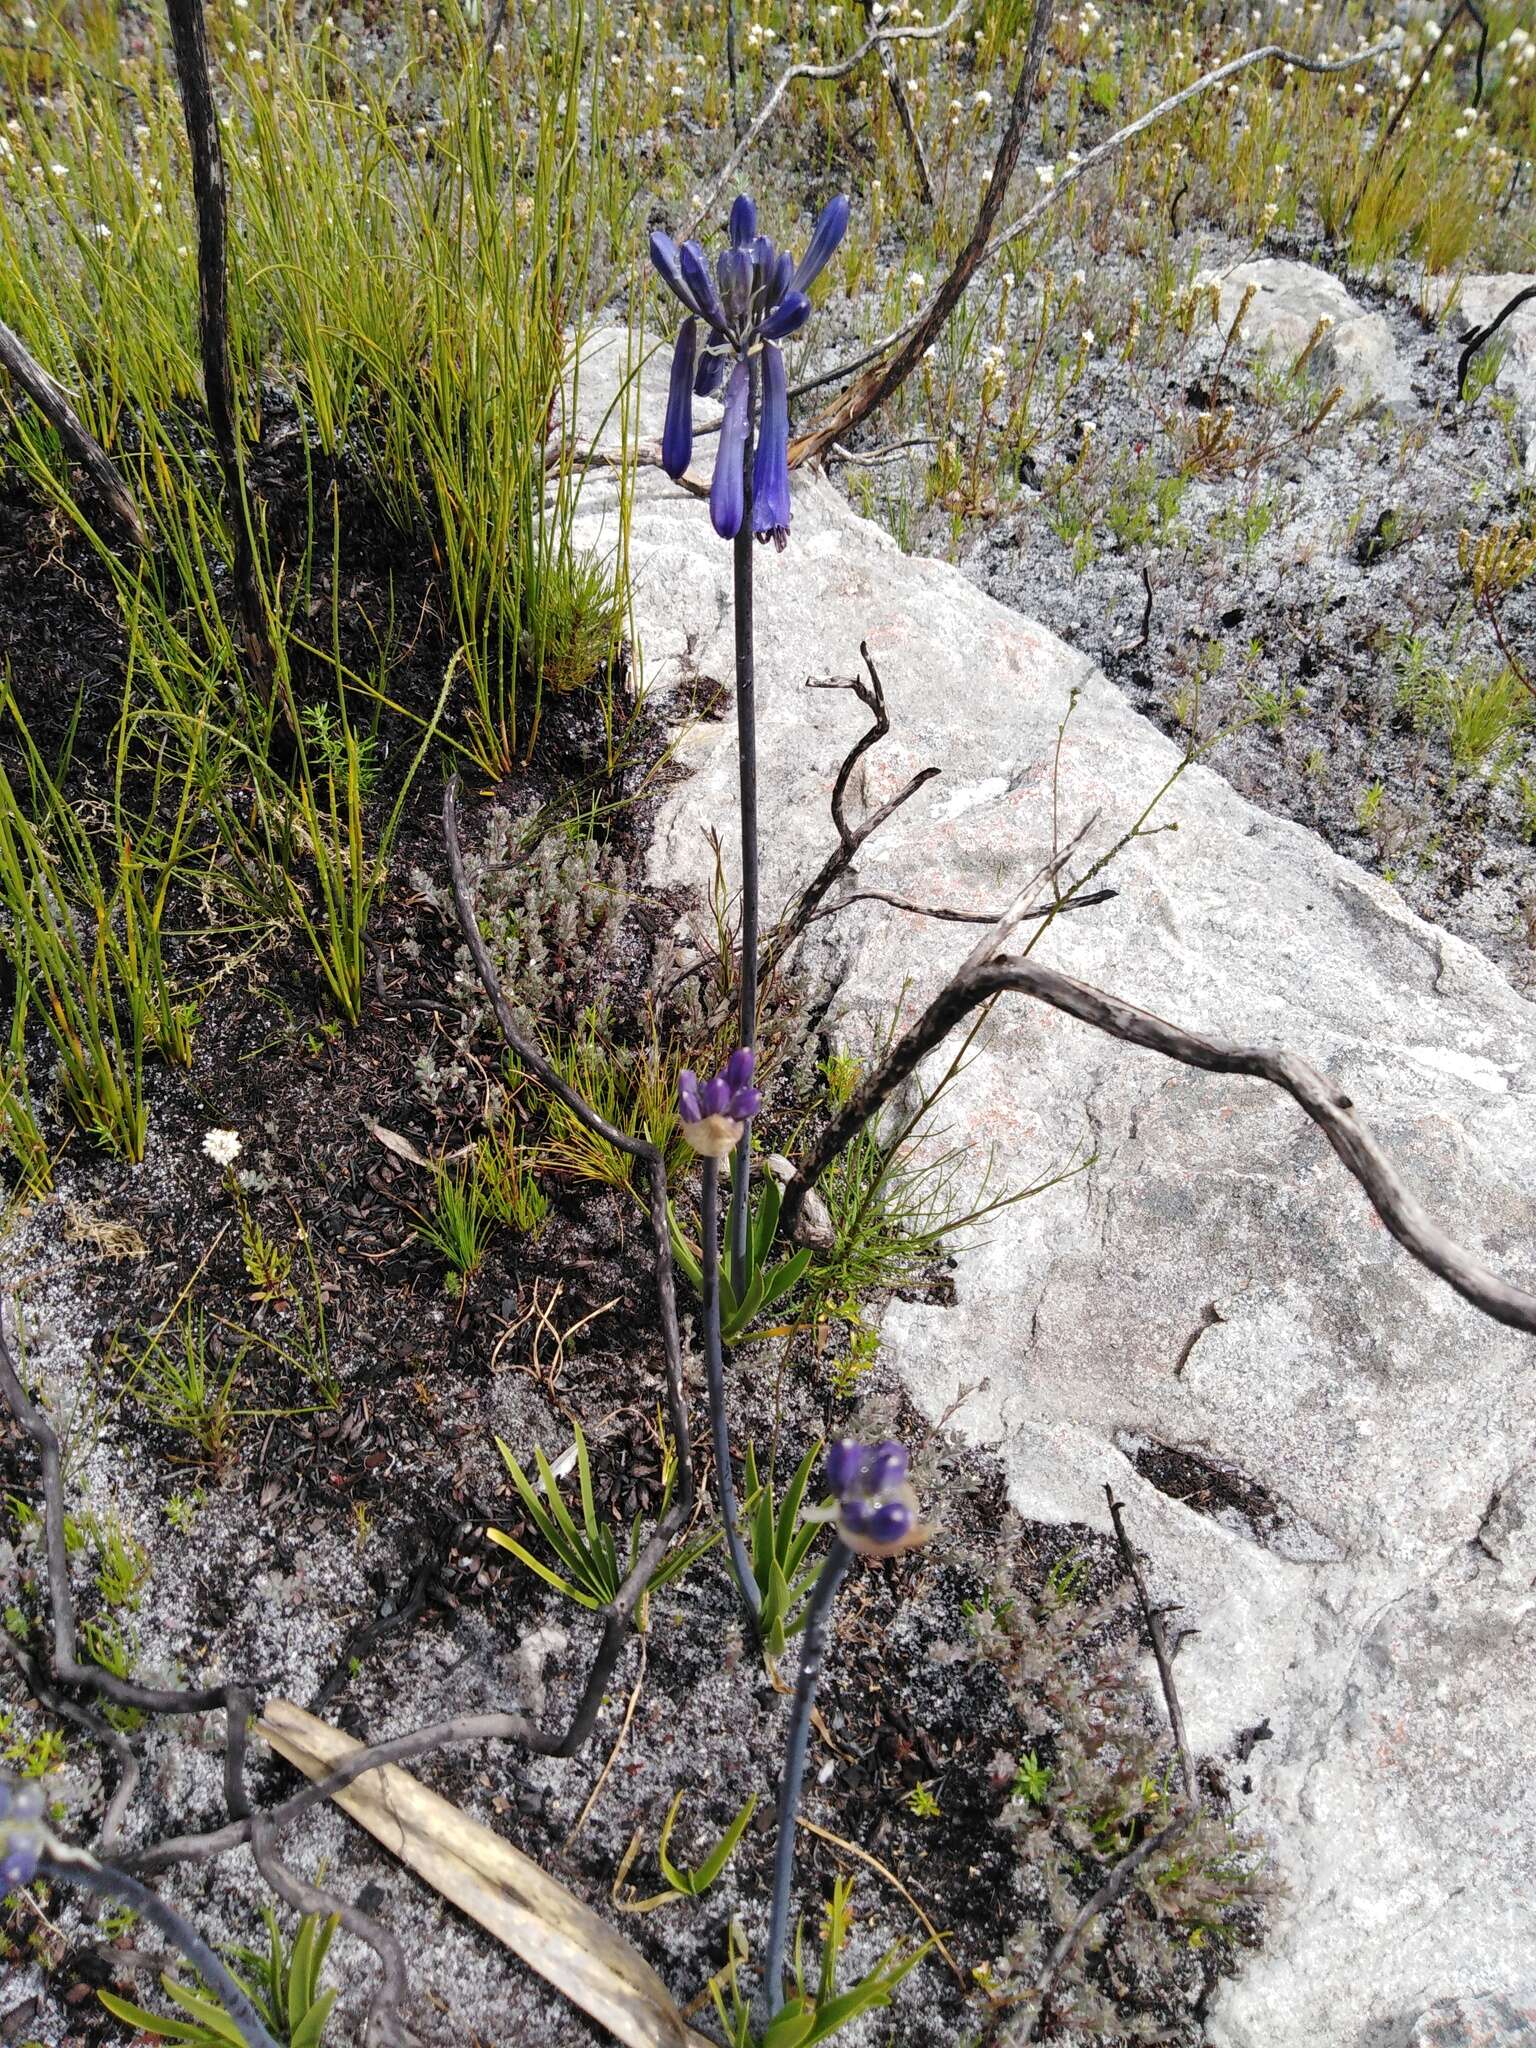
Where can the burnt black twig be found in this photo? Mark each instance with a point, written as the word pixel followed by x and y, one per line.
pixel 53 402
pixel 68 1669
pixel 67 1865
pixel 945 916
pixel 850 838
pixel 386 2026
pixel 381 1625
pixel 189 41
pixel 1114 1887
pixel 1479 335
pixel 886 378
pixel 899 100
pixel 1153 1617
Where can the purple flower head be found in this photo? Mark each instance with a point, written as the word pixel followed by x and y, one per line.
pixel 713 1113
pixel 756 297
pixel 876 1508
pixel 21 1831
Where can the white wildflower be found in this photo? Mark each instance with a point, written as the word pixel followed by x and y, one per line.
pixel 222 1147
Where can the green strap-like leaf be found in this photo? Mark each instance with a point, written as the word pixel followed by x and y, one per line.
pixel 789 1508
pixel 308 2032
pixel 693 1884
pixel 765 1220
pixel 537 1565
pixel 152 2024
pixel 584 1479
pixel 792 2028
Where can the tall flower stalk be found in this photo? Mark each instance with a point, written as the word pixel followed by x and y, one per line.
pixel 876 1515
pixel 756 298
pixel 715 1115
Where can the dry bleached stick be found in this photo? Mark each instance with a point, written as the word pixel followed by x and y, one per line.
pixel 982 978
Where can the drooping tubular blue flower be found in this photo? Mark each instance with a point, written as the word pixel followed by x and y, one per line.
pixel 754 300
pixel 712 1113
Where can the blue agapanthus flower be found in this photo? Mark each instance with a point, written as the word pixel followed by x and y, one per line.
pixel 876 1509
pixel 756 298
pixel 714 1113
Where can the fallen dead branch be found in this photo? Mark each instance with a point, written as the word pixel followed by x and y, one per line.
pixel 987 975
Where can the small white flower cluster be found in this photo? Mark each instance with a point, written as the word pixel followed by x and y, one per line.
pixel 759 34
pixel 222 1147
pixel 1521 48
pixel 917 284
pixel 994 372
pixel 1046 173
pixel 1089 19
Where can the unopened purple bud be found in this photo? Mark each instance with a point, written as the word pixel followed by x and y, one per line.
pixel 715 1097
pixel 854 1517
pixel 745 1103
pixel 844 1464
pixel 700 285
pixel 738 1068
pixel 733 267
pixel 891 1522
pixel 665 256
pixel 778 284
pixel 711 372
pixel 689 1107
pixel 743 221
pixel 887 1468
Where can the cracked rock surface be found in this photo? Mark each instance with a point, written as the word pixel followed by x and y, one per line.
pixel 1389 1646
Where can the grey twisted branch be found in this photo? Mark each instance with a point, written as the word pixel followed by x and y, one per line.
pixel 1332 1111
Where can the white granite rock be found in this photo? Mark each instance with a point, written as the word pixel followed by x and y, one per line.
pixel 1214 1282
pixel 1289 299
